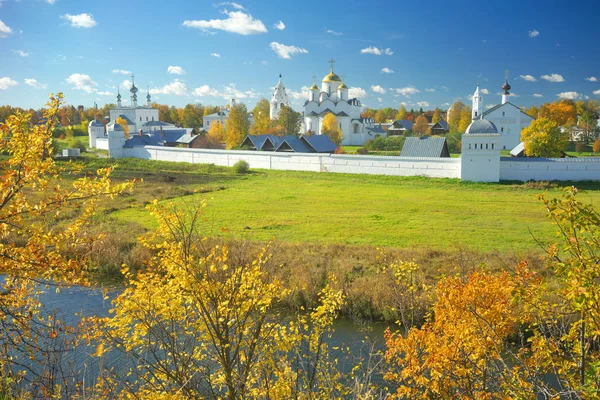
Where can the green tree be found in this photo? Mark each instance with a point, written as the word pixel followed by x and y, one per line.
pixel 543 138
pixel 289 120
pixel 192 116
pixel 237 127
pixel 332 129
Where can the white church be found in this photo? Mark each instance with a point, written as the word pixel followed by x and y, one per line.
pixel 333 97
pixel 508 118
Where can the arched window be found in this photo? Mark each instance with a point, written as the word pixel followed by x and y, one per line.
pixel 146 119
pixel 502 129
pixel 152 118
pixel 475 146
pixel 486 146
pixel 492 146
pixel 140 119
pixel 356 128
pixel 503 113
pixel 469 146
pixel 475 113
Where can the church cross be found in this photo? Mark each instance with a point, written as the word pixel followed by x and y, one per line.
pixel 132 79
pixel 314 79
pixel 332 61
pixel 507 75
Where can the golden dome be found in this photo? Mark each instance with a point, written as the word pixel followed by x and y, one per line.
pixel 343 86
pixel 314 87
pixel 331 77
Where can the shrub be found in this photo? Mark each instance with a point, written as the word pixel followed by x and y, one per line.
pixel 392 143
pixel 73 143
pixel 596 146
pixel 339 150
pixel 362 150
pixel 579 147
pixel 241 167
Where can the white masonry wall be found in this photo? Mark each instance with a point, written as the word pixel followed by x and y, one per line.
pixel 550 169
pixel 341 163
pixel 102 143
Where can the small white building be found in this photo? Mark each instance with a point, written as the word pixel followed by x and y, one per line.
pixel 333 98
pixel 222 116
pixel 480 158
pixel 508 118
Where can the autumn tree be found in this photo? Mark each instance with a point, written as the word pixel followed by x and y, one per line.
pixel 465 119
pixel 39 247
pixel 380 116
pixel 289 120
pixel 588 124
pixel 401 114
pixel 454 116
pixel 191 116
pixel 217 131
pixel 561 113
pixel 332 129
pixel 237 127
pixel 262 117
pixel 596 146
pixel 543 138
pixel 437 116
pixel 421 126
pixel 123 123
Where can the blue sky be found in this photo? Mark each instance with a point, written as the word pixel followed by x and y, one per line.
pixel 419 53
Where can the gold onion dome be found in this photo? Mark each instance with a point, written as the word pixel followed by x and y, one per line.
pixel 314 87
pixel 343 86
pixel 331 77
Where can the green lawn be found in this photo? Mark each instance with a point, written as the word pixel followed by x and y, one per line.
pixel 371 210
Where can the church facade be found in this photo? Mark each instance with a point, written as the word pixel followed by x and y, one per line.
pixel 508 118
pixel 333 98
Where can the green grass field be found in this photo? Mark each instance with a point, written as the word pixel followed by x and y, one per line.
pixel 385 211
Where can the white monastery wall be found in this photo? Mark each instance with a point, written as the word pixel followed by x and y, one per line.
pixel 339 163
pixel 102 143
pixel 550 169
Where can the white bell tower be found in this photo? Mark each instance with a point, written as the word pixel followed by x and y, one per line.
pixel 477 106
pixel 279 99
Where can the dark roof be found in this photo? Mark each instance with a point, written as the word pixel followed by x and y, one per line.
pixel 126 119
pixel 376 130
pixel 425 146
pixel 187 138
pixel 143 140
pixel 342 114
pixel 292 143
pixel 401 123
pixel 168 135
pixel 481 126
pixel 325 111
pixel 500 105
pixel 156 123
pixel 96 122
pixel 312 114
pixel 320 143
pixel 255 141
pixel 443 124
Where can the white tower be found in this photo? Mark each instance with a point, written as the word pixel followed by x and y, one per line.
pixel 116 141
pixel 313 95
pixel 506 88
pixel 480 152
pixel 343 91
pixel 133 91
pixel 477 105
pixel 95 131
pixel 279 99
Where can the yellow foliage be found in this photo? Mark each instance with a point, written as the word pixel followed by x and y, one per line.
pixel 543 138
pixel 121 121
pixel 332 129
pixel 217 131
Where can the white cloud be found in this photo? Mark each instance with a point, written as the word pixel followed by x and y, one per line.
pixel 302 94
pixel 596 92
pixel 376 51
pixel 568 95
pixel 407 91
pixel 227 92
pixel 50 1
pixel 280 25
pixel 377 89
pixel 286 52
pixel 121 71
pixel 34 83
pixel 422 104
pixel 82 82
pixel 229 3
pixel 7 82
pixel 537 95
pixel 21 53
pixel 175 70
pixel 84 20
pixel 592 79
pixel 126 84
pixel 176 88
pixel 490 106
pixel 264 62
pixel 216 55
pixel 485 91
pixel 528 78
pixel 387 70
pixel 332 32
pixel 5 30
pixel 105 93
pixel 553 78
pixel 357 92
pixel 430 90
pixel 379 99
pixel 534 33
pixel 237 22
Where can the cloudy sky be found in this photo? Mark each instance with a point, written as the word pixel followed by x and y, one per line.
pixel 423 54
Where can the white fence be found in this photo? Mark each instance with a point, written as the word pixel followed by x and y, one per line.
pixel 341 163
pixel 550 169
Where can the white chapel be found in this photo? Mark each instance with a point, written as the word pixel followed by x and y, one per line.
pixel 508 118
pixel 333 97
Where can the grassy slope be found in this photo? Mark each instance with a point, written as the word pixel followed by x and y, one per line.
pixel 371 210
